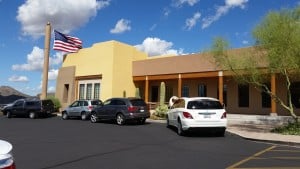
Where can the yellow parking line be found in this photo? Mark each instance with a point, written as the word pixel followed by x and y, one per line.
pixel 291 151
pixel 249 158
pixel 282 158
pixel 271 168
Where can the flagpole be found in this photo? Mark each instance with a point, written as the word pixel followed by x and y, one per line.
pixel 46 61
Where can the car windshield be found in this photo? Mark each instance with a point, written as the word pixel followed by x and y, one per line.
pixel 204 104
pixel 138 102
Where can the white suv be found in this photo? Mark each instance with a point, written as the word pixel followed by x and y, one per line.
pixel 197 113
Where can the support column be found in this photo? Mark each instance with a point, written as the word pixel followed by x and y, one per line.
pixel 146 89
pixel 46 61
pixel 221 84
pixel 179 85
pixel 273 90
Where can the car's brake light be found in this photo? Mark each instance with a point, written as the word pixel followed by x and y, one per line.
pixel 224 115
pixel 132 108
pixel 187 115
pixel 90 107
pixel 12 166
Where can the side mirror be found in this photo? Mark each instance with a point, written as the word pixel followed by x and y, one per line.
pixel 223 104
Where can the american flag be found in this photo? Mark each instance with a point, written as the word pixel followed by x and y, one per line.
pixel 66 43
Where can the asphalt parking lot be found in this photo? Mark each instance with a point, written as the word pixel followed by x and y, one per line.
pixel 53 143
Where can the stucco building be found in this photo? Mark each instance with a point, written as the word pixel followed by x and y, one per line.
pixel 114 69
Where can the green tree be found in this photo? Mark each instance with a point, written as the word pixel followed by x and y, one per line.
pixel 56 102
pixel 277 51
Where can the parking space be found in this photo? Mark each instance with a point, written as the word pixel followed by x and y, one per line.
pixel 273 157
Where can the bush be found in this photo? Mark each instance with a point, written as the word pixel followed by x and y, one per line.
pixel 56 103
pixel 289 129
pixel 161 111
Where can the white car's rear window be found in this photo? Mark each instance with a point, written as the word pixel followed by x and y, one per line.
pixel 204 104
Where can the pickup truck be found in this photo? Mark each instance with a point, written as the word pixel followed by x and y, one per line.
pixel 29 107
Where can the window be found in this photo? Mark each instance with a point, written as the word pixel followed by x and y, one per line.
pixel 204 104
pixel 85 103
pixel 65 93
pixel 243 95
pixel 169 93
pixel 81 91
pixel 19 103
pixel 202 90
pixel 96 90
pixel 75 104
pixel 295 91
pixel 107 102
pixel 89 87
pixel 180 103
pixel 185 91
pixel 265 97
pixel 225 94
pixel 154 93
pixel 118 102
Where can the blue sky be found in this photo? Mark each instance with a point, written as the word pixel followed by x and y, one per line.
pixel 156 27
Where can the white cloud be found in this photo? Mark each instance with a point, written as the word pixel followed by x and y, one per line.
pixel 191 22
pixel 57 58
pixel 121 26
pixel 245 42
pixel 236 3
pixel 51 89
pixel 180 3
pixel 52 74
pixel 166 12
pixel 222 10
pixel 35 60
pixel 153 27
pixel 156 46
pixel 33 15
pixel 15 78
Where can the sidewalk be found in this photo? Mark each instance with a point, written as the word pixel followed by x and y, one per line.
pixel 260 133
pixel 258 128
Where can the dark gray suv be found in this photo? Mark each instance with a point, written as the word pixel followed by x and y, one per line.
pixel 121 110
pixel 80 108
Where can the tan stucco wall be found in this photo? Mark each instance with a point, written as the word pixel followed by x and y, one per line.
pixel 113 61
pixel 66 76
pixel 122 80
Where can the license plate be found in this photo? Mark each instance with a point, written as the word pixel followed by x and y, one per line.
pixel 142 110
pixel 206 116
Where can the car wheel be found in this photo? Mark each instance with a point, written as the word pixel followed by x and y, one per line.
pixel 64 116
pixel 32 115
pixel 221 133
pixel 120 119
pixel 83 116
pixel 180 131
pixel 94 118
pixel 8 114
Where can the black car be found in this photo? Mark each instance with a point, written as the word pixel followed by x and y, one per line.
pixel 30 107
pixel 121 110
